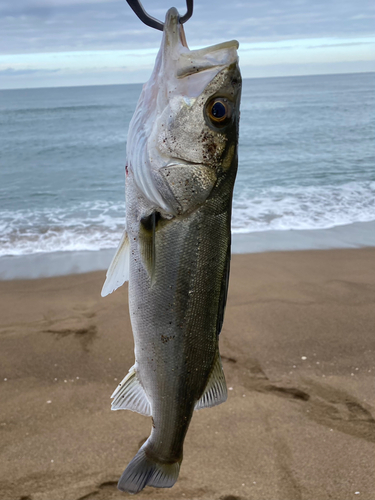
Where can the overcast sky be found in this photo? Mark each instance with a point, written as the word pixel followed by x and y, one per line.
pixel 83 42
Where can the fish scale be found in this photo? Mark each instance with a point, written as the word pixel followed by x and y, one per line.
pixel 191 351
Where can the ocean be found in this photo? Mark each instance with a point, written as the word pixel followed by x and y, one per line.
pixel 306 162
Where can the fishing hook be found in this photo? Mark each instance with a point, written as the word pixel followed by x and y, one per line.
pixel 151 21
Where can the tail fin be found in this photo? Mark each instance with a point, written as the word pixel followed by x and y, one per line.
pixel 143 471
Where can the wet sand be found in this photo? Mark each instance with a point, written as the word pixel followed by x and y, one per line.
pixel 298 348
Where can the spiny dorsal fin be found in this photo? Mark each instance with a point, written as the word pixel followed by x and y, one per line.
pixel 223 292
pixel 130 395
pixel 215 392
pixel 118 271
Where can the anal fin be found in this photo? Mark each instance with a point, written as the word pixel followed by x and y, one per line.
pixel 130 395
pixel 215 392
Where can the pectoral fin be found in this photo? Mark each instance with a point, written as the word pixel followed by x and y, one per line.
pixel 215 392
pixel 130 395
pixel 147 237
pixel 118 271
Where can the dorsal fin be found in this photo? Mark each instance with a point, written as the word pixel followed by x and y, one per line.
pixel 118 271
pixel 130 395
pixel 215 392
pixel 223 292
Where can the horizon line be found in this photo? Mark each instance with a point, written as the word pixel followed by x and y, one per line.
pixel 142 82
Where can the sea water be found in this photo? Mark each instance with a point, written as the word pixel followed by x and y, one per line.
pixel 306 162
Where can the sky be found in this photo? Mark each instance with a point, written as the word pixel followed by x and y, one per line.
pixel 54 43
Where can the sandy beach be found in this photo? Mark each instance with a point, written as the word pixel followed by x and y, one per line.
pixel 298 350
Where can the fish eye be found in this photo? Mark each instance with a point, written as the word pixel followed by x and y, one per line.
pixel 219 110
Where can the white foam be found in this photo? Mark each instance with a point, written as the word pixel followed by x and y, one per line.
pixel 85 226
pixel 299 207
pixel 98 225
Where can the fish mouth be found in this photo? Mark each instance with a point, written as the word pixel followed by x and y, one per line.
pixel 211 48
pixel 189 62
pixel 219 46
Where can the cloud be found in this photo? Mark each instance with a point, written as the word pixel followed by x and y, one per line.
pixel 343 44
pixel 102 41
pixel 22 72
pixel 65 25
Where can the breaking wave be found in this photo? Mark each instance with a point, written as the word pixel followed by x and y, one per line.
pixel 310 207
pixel 99 225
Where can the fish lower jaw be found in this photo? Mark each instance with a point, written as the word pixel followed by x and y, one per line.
pixel 179 161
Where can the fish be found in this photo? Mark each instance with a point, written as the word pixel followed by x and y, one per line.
pixel 175 252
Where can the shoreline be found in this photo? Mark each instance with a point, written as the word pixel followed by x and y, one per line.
pixel 47 265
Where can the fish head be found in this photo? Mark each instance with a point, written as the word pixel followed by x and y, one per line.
pixel 184 133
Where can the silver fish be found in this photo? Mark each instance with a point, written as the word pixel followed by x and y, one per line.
pixel 175 252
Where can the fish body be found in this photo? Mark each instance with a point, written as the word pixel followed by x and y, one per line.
pixel 181 168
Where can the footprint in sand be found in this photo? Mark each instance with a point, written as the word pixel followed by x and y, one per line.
pixel 81 325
